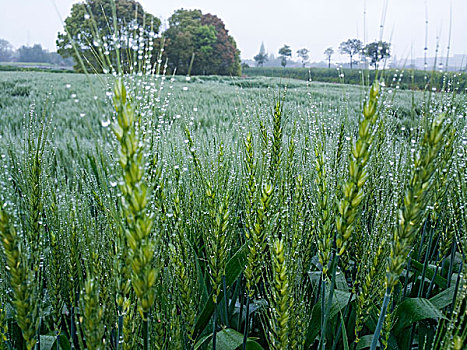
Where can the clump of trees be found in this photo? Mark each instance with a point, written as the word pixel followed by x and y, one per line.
pixel 6 51
pixel 197 43
pixel 31 54
pixel 375 51
pixel 193 43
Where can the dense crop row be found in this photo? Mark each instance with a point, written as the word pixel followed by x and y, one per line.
pixel 167 213
pixel 404 78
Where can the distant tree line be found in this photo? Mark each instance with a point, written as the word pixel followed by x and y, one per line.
pixel 193 43
pixel 31 54
pixel 374 52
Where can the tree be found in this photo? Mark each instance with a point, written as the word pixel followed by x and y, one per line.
pixel 199 43
pixel 377 51
pixel 225 58
pixel 90 30
pixel 303 54
pixel 329 52
pixel 285 52
pixel 33 54
pixel 350 47
pixel 6 51
pixel 261 57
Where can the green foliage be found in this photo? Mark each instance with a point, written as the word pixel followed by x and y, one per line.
pixel 6 50
pixel 304 55
pixel 90 29
pixel 377 51
pixel 32 54
pixel 397 79
pixel 329 52
pixel 350 47
pixel 199 44
pixel 285 52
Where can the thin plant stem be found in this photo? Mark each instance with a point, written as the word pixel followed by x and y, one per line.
pixel 145 331
pixel 247 316
pixel 382 315
pixel 335 261
pixel 214 328
pixel 120 328
pixel 225 301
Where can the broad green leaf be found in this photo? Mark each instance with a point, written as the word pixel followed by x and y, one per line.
pixel 47 341
pixel 365 342
pixel 339 301
pixel 444 298
pixel 255 306
pixel 413 310
pixel 429 273
pixel 228 339
pixel 64 343
pixel 233 269
pixel 252 345
pixel 341 283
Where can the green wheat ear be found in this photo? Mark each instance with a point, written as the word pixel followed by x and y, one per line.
pixel 352 190
pixel 256 238
pixel 282 302
pixel 412 213
pixel 415 199
pixel 20 280
pixel 93 326
pixel 135 196
pixel 3 328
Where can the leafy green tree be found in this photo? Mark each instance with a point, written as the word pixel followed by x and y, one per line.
pixel 285 52
pixel 350 47
pixel 304 55
pixel 90 36
pixel 261 57
pixel 200 44
pixel 225 59
pixel 33 54
pixel 377 51
pixel 180 47
pixel 6 51
pixel 329 52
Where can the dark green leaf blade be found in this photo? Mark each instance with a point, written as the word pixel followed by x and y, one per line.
pixel 413 310
pixel 233 269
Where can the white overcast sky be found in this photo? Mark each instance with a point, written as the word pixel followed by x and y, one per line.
pixel 314 24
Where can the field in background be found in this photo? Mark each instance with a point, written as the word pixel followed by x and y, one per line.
pixel 78 103
pixel 33 67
